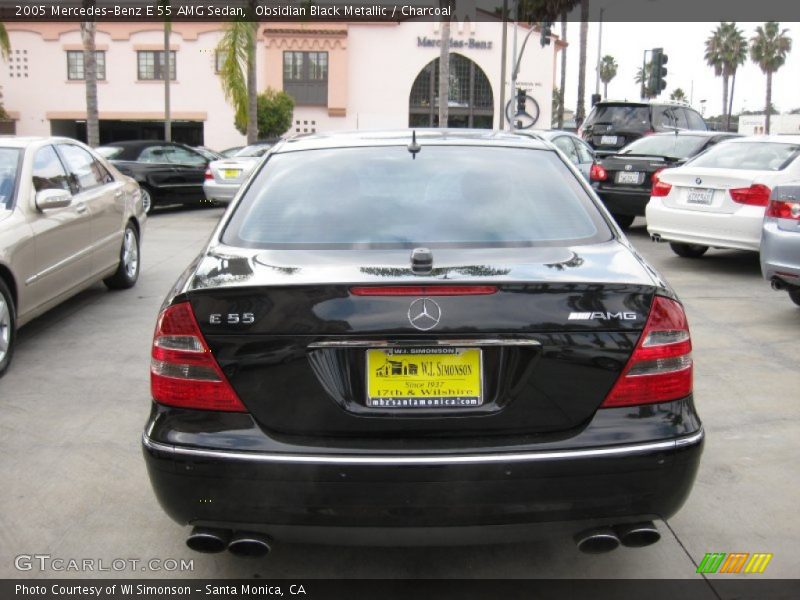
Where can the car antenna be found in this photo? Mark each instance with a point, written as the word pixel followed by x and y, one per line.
pixel 414 147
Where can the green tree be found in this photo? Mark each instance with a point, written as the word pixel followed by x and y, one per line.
pixel 768 49
pixel 238 74
pixel 642 77
pixel 678 95
pixel 608 70
pixel 5 50
pixel 274 113
pixel 725 52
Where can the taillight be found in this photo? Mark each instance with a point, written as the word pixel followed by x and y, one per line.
pixel 183 372
pixel 654 176
pixel 784 210
pixel 660 368
pixel 660 188
pixel 598 173
pixel 209 174
pixel 424 290
pixel 755 195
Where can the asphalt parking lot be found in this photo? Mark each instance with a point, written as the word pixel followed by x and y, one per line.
pixel 74 402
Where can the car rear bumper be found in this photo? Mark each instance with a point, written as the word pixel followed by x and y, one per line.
pixel 740 230
pixel 220 192
pixel 621 202
pixel 401 497
pixel 780 253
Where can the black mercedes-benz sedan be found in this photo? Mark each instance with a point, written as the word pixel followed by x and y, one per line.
pixel 624 180
pixel 420 338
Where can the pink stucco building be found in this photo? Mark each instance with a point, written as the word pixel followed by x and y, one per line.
pixel 342 76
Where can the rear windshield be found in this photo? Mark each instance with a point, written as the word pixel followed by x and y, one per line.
pixel 109 152
pixel 620 117
pixel 673 146
pixel 9 167
pixel 757 156
pixel 449 196
pixel 254 150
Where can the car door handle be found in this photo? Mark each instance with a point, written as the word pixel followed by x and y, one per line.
pixel 81 208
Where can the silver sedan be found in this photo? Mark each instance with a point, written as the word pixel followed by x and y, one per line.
pixel 780 240
pixel 68 219
pixel 225 176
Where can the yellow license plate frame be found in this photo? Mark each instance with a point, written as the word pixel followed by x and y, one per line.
pixel 424 378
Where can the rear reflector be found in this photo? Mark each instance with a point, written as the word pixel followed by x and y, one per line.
pixel 183 372
pixel 659 188
pixel 660 368
pixel 784 210
pixel 755 195
pixel 425 290
pixel 597 173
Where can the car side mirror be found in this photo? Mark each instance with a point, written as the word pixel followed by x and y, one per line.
pixel 52 198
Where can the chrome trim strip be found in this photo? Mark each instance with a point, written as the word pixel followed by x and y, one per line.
pixel 421 343
pixel 423 460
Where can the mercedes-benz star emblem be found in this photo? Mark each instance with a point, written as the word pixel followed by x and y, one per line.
pixel 424 314
pixel 698 181
pixel 628 167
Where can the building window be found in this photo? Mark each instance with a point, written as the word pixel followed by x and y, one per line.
pixel 151 64
pixel 219 60
pixel 305 77
pixel 75 68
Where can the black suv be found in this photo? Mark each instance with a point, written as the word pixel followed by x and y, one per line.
pixel 612 125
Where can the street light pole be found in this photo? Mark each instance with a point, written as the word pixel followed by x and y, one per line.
pixel 599 52
pixel 513 93
pixel 503 61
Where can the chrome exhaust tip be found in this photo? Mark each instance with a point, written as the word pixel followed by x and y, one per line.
pixel 597 540
pixel 655 237
pixel 249 545
pixel 208 540
pixel 778 284
pixel 638 535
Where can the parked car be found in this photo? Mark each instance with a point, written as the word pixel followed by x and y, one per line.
pixel 420 338
pixel 623 180
pixel 780 240
pixel 228 152
pixel 167 173
pixel 224 177
pixel 718 198
pixel 611 125
pixel 68 219
pixel 208 153
pixel 576 150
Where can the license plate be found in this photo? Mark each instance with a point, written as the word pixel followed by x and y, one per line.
pixel 699 196
pixel 230 173
pixel 608 140
pixel 629 177
pixel 424 378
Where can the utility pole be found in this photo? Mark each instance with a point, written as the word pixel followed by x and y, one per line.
pixel 503 60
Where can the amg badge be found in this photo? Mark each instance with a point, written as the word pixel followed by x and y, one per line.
pixel 603 316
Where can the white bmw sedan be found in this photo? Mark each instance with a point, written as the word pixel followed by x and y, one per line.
pixel 718 199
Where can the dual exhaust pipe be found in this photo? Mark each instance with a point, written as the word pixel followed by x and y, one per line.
pixel 241 543
pixel 605 539
pixel 591 541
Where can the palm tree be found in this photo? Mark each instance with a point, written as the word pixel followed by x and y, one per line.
pixel 444 70
pixel 238 74
pixel 5 43
pixel 88 29
pixel 167 70
pixel 678 95
pixel 726 50
pixel 642 77
pixel 768 49
pixel 608 70
pixel 580 112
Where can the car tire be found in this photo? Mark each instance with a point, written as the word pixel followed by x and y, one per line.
pixel 624 221
pixel 147 198
pixel 8 332
pixel 128 270
pixel 688 250
pixel 795 296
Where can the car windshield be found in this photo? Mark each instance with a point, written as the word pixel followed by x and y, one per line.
pixel 620 117
pixel 9 166
pixel 382 197
pixel 108 152
pixel 750 155
pixel 673 146
pixel 254 150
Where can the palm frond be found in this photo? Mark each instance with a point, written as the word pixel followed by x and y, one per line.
pixel 235 42
pixel 5 42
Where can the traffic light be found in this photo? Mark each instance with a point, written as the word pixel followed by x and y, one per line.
pixel 658 72
pixel 520 100
pixel 547 31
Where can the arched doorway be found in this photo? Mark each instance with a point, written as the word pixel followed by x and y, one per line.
pixel 471 99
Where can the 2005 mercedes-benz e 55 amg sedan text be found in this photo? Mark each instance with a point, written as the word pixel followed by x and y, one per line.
pixel 431 337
